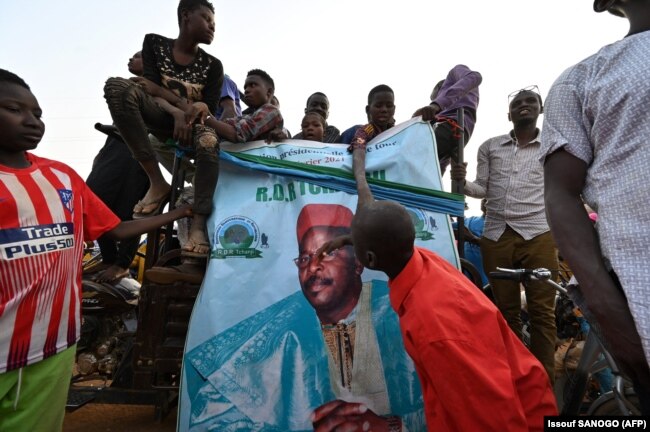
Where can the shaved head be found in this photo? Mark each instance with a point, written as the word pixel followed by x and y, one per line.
pixel 383 234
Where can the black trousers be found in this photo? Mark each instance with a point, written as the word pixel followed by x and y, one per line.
pixel 119 181
pixel 135 113
pixel 446 144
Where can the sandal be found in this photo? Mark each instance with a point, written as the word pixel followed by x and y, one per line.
pixel 154 207
pixel 189 250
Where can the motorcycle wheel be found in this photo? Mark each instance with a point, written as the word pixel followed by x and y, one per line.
pixel 606 405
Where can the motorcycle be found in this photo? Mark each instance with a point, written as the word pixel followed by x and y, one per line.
pixel 132 339
pixel 133 331
pixel 109 321
pixel 108 324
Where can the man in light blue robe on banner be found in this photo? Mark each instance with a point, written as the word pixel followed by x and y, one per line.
pixel 266 349
pixel 337 338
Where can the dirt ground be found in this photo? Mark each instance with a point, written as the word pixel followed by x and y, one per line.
pixel 117 418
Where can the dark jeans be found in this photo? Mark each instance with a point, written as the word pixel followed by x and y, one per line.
pixel 135 114
pixel 513 251
pixel 119 181
pixel 446 144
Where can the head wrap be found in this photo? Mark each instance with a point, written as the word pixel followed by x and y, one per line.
pixel 329 215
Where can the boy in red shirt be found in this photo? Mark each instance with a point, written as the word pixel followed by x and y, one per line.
pixel 476 375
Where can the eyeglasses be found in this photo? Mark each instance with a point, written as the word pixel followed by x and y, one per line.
pixel 303 260
pixel 530 88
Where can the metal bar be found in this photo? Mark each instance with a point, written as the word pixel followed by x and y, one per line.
pixel 176 187
pixel 459 187
pixel 579 378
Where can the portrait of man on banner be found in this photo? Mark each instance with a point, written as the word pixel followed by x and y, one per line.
pixel 335 339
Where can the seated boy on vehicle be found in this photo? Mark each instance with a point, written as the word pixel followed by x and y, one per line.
pixel 258 92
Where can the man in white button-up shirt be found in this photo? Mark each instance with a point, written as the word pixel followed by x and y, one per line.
pixel 516 234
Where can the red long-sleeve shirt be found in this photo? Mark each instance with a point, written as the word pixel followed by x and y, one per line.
pixel 475 373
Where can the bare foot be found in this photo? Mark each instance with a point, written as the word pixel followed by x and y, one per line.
pixel 111 274
pixel 198 243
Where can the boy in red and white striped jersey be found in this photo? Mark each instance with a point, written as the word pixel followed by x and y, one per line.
pixel 46 213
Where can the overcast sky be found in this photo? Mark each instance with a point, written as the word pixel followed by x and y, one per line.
pixel 66 49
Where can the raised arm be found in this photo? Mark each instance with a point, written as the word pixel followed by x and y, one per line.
pixel 363 191
pixel 359 170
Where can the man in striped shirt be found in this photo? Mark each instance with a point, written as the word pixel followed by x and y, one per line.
pixel 46 213
pixel 516 233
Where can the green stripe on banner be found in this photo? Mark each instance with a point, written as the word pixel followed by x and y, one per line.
pixel 337 172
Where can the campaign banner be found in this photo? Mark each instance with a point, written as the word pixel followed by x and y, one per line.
pixel 276 334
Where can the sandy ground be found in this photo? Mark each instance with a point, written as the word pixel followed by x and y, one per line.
pixel 117 418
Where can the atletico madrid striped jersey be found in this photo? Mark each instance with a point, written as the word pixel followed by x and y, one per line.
pixel 46 213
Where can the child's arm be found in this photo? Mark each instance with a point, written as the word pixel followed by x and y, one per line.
pixel 151 81
pixel 428 112
pixel 199 111
pixel 364 196
pixel 358 148
pixel 276 135
pixel 191 110
pixel 182 129
pixel 334 244
pixel 249 127
pixel 157 91
pixel 359 169
pixel 128 229
pixel 225 130
pixel 228 107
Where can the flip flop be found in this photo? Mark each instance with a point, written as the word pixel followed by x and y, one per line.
pixel 156 207
pixel 189 252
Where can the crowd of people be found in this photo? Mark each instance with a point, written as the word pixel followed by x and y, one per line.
pixel 591 149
